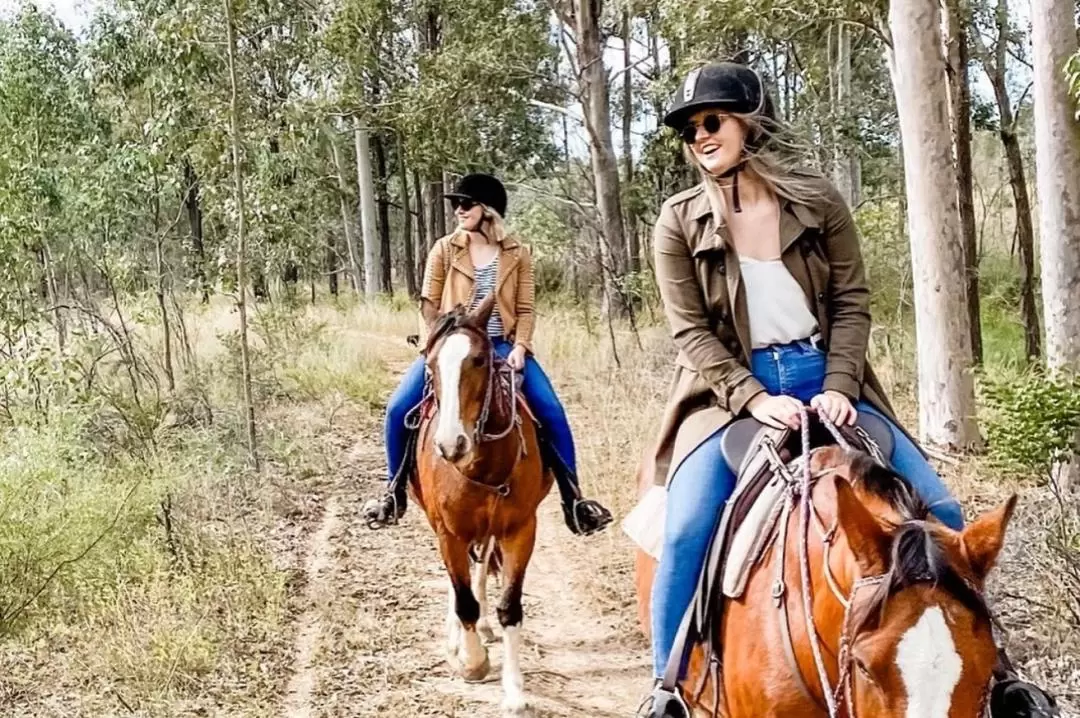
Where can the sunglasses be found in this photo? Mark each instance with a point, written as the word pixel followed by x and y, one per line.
pixel 465 204
pixel 711 123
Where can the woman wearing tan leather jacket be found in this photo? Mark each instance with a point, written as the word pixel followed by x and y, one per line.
pixel 464 268
pixel 763 284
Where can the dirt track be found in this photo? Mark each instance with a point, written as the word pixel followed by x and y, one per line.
pixel 369 639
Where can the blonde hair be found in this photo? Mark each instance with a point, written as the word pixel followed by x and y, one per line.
pixel 779 162
pixel 491 226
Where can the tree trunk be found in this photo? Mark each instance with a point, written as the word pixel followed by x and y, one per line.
pixel 383 200
pixel 195 223
pixel 332 262
pixel 423 238
pixel 594 96
pixel 633 243
pixel 1057 163
pixel 437 217
pixel 367 210
pixel 159 288
pixel 845 158
pixel 346 216
pixel 1025 233
pixel 958 14
pixel 444 206
pixel 406 224
pixel 946 387
pixel 241 240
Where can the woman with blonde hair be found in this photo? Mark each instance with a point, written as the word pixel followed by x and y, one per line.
pixel 762 280
pixel 479 258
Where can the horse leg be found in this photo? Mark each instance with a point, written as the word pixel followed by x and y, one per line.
pixel 480 586
pixel 468 656
pixel 517 550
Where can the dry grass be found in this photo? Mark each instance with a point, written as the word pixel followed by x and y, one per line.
pixel 202 623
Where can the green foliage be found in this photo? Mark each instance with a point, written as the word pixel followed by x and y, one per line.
pixel 1033 418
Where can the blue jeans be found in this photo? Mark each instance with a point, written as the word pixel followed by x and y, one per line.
pixel 702 484
pixel 536 387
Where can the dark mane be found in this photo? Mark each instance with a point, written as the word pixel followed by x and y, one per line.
pixel 917 555
pixel 455 319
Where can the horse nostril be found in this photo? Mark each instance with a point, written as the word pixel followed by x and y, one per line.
pixel 462 446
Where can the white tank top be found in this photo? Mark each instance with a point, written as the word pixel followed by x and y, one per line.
pixel 779 312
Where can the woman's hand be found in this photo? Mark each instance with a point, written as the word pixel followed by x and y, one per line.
pixel 516 360
pixel 776 411
pixel 836 407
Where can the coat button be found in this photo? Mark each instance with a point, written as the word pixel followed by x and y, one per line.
pixel 721 268
pixel 821 296
pixel 723 315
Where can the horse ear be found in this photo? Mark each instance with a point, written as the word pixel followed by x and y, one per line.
pixel 479 317
pixel 983 538
pixel 864 535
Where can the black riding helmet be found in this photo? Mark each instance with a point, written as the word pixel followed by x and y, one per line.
pixel 728 87
pixel 482 188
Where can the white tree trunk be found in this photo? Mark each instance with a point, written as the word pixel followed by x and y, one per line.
pixel 845 159
pixel 367 210
pixel 346 217
pixel 946 386
pixel 1057 163
pixel 594 85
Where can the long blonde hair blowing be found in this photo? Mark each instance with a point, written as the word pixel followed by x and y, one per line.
pixel 779 164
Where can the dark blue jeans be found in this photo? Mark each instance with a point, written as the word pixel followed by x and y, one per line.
pixel 538 391
pixel 702 484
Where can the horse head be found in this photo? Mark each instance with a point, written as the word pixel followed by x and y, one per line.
pixel 916 638
pixel 459 361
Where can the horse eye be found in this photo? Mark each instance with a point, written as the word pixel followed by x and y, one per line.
pixel 478 360
pixel 861 667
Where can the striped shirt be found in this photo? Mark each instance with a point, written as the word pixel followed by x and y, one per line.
pixel 485 285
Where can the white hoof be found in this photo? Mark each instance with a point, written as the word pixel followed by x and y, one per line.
pixel 515 706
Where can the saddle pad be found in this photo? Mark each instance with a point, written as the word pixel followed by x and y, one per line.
pixel 645 522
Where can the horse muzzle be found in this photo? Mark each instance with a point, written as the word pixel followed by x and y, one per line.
pixel 453 449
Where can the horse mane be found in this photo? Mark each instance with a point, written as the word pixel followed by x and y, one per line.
pixel 917 554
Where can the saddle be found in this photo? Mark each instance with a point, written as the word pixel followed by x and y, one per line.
pixel 763 459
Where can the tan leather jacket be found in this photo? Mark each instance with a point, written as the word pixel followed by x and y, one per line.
pixel 449 280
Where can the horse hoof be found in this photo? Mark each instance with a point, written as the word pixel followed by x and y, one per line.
pixel 515 707
pixel 478 673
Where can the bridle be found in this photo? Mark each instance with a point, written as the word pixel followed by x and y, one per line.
pixel 843 694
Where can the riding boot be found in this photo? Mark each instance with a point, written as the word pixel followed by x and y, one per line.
pixel 1013 697
pixel 583 516
pixel 662 703
pixel 390 507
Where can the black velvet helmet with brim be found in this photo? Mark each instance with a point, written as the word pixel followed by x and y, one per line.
pixel 483 188
pixel 726 86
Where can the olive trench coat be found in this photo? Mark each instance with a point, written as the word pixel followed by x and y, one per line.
pixel 697 270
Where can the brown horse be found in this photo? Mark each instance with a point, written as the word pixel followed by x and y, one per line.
pixel 902 628
pixel 480 481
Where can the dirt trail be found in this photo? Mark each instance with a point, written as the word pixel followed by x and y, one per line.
pixel 370 637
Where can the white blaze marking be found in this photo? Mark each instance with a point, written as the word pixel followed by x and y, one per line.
pixel 454 351
pixel 480 586
pixel 929 665
pixel 513 683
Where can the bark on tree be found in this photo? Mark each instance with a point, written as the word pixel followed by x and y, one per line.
pixel 382 199
pixel 364 180
pixel 633 242
pixel 195 223
pixel 406 224
pixel 1057 163
pixel 846 170
pixel 355 252
pixel 241 239
pixel 595 100
pixel 423 239
pixel 958 18
pixel 946 386
pixel 994 65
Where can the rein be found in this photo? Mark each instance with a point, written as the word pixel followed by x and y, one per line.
pixel 496 368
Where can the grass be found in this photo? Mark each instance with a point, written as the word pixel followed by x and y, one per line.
pixel 185 604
